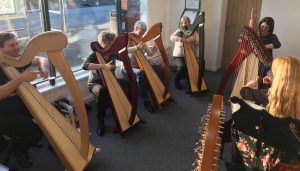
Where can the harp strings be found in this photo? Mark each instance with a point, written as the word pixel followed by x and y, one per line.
pixel 151 75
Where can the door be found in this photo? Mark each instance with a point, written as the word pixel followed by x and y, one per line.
pixel 238 15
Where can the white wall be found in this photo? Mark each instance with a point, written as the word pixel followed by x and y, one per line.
pixel 214 32
pixel 285 13
pixel 287 26
pixel 169 12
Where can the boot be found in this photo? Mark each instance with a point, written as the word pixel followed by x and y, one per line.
pixel 23 159
pixel 177 85
pixel 177 81
pixel 100 128
pixel 179 75
pixel 149 107
pixel 102 103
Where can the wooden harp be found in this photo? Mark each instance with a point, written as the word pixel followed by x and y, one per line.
pixel 72 147
pixel 208 146
pixel 195 68
pixel 251 47
pixel 125 110
pixel 160 92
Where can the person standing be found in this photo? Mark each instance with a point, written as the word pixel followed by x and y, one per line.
pixel 178 51
pixel 269 40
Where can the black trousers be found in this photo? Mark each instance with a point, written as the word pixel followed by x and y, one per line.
pixel 16 121
pixel 102 104
pixel 182 70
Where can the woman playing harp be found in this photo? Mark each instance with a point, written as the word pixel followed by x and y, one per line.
pixel 95 84
pixel 140 29
pixel 186 38
pixel 71 146
pixel 269 40
pixel 153 71
pixel 104 85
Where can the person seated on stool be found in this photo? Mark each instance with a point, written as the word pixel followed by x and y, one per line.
pixel 139 29
pixel 15 118
pixel 283 102
pixel 95 84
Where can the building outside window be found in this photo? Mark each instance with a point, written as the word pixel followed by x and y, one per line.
pixel 80 20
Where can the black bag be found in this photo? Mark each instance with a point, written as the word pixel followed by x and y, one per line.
pixel 281 133
pixel 65 106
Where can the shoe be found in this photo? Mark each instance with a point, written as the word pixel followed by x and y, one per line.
pixel 178 86
pixel 100 129
pixel 23 159
pixel 149 107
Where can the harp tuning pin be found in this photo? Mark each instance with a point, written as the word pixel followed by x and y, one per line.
pixel 222 115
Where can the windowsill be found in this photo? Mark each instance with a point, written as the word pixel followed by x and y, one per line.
pixel 45 86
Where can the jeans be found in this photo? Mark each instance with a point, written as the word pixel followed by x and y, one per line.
pixel 141 82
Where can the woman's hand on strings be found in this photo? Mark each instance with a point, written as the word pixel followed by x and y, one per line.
pixel 267 80
pixel 253 83
pixel 140 46
pixel 109 66
pixel 153 49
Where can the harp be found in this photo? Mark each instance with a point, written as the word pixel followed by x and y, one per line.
pixel 252 49
pixel 195 68
pixel 124 109
pixel 160 92
pixel 207 150
pixel 72 147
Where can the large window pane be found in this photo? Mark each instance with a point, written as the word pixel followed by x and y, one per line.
pixel 130 13
pixel 22 18
pixel 81 20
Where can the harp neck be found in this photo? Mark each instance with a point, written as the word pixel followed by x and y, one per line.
pixel 199 20
pixel 250 43
pixel 53 43
pixel 120 45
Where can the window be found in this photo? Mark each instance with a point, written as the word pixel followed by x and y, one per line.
pixel 81 20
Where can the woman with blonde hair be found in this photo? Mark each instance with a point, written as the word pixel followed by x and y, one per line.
pixel 284 94
pixel 283 103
